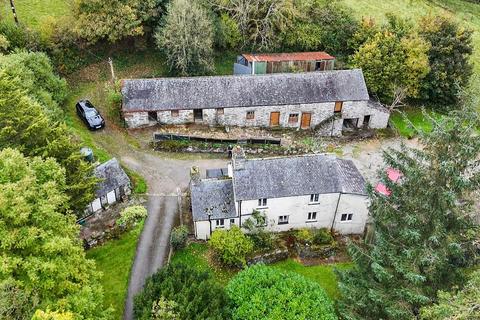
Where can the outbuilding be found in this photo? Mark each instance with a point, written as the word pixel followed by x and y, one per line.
pixel 329 101
pixel 113 186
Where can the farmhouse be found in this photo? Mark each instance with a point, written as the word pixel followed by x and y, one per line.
pixel 263 63
pixel 330 101
pixel 317 191
pixel 114 184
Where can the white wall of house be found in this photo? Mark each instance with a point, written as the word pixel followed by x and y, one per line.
pixel 202 228
pixel 238 116
pixel 297 209
pixel 110 198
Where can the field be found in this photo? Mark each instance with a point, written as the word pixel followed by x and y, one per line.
pixel 114 260
pixel 33 12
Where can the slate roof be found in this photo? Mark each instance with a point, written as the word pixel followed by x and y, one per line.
pixel 243 91
pixel 288 56
pixel 295 176
pixel 112 176
pixel 213 196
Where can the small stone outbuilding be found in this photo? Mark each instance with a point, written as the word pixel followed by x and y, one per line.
pixel 330 101
pixel 114 185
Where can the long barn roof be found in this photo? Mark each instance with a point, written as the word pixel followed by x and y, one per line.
pixel 243 91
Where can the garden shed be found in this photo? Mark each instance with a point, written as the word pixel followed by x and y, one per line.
pixel 114 185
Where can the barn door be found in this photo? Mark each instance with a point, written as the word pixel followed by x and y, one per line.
pixel 274 119
pixel 306 119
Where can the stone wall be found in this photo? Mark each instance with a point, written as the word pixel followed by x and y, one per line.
pixel 270 257
pixel 321 116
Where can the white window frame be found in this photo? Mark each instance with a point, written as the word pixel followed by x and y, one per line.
pixel 315 198
pixel 262 203
pixel 232 221
pixel 312 216
pixel 348 217
pixel 283 219
pixel 220 223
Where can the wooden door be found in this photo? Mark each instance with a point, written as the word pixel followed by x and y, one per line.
pixel 274 119
pixel 306 118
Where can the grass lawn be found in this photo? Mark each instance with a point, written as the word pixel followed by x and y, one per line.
pixel 323 274
pixel 115 260
pixel 33 12
pixel 197 254
pixel 415 115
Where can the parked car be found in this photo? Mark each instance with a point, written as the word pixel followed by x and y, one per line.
pixel 87 112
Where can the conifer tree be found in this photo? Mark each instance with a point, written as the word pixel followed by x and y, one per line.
pixel 423 230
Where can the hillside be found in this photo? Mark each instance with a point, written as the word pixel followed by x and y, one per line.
pixel 462 10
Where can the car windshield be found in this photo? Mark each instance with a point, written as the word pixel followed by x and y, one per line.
pixel 90 113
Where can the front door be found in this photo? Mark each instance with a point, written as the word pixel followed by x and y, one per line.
pixel 306 118
pixel 198 115
pixel 274 119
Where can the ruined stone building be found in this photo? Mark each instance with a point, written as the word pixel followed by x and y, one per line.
pixel 330 101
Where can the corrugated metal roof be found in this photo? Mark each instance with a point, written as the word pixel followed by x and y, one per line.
pixel 243 91
pixel 292 56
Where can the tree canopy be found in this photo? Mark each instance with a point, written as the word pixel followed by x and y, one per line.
pixel 186 36
pixel 191 293
pixel 260 293
pixel 449 59
pixel 113 20
pixel 43 261
pixel 423 231
pixel 25 125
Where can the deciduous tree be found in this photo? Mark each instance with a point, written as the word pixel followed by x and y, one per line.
pixel 113 20
pixel 260 293
pixel 39 246
pixel 231 246
pixel 423 231
pixel 449 57
pixel 186 37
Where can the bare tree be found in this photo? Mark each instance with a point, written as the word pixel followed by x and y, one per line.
pixel 259 21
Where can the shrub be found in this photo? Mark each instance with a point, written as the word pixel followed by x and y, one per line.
pixel 179 237
pixel 231 246
pixel 164 310
pixel 255 225
pixel 131 215
pixel 322 236
pixel 261 292
pixel 196 294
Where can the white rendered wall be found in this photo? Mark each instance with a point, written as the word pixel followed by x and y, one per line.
pixel 358 206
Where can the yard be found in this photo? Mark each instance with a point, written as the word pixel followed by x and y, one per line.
pixel 199 255
pixel 114 260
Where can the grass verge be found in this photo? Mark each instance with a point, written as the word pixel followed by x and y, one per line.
pixel 139 185
pixel 114 259
pixel 417 119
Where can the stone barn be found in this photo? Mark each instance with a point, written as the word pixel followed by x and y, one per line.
pixel 330 101
pixel 113 186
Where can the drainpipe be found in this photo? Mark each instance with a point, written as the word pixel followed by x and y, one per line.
pixel 335 214
pixel 240 213
pixel 253 67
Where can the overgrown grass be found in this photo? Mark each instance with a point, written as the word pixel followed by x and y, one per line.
pixel 416 117
pixel 139 185
pixel 322 274
pixel 114 259
pixel 198 255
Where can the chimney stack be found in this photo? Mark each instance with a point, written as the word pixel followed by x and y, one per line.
pixel 195 174
pixel 238 158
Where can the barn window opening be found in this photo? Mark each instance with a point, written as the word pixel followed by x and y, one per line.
pixel 174 113
pixel 220 111
pixel 293 118
pixel 250 115
pixel 152 115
